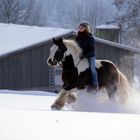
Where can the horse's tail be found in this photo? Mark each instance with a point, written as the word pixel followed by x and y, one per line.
pixel 123 87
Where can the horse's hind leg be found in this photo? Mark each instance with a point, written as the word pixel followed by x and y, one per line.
pixel 60 101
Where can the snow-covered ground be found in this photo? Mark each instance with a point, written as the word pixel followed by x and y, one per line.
pixel 26 115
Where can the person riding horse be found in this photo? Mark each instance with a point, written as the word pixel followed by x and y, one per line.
pixel 76 74
pixel 85 40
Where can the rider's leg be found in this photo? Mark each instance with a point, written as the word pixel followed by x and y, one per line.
pixel 94 72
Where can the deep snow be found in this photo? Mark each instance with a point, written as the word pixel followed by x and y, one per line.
pixel 26 115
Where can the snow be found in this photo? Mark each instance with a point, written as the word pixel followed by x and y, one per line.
pixel 26 115
pixel 107 26
pixel 122 46
pixel 16 37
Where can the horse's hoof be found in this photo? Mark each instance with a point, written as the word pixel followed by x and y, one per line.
pixel 53 108
pixel 57 106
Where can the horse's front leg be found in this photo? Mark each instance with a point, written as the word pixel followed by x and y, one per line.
pixel 60 101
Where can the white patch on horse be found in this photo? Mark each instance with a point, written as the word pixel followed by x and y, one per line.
pixel 53 50
pixel 83 65
pixel 76 52
pixel 98 64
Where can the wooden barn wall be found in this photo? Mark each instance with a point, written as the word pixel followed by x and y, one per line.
pixel 122 58
pixel 25 69
pixel 28 69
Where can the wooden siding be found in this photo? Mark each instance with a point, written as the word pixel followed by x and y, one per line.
pixel 120 55
pixel 25 69
pixel 108 34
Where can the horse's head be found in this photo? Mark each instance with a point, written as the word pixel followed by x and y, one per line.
pixel 56 52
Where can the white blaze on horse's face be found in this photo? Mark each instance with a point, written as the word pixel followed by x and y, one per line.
pixel 51 62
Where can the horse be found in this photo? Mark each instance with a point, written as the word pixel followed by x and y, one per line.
pixel 76 73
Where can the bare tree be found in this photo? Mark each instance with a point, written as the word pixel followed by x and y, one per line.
pixel 129 17
pixel 93 11
pixel 33 14
pixel 9 11
pixel 21 12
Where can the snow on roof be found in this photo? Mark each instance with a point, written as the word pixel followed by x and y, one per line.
pixel 17 37
pixel 107 26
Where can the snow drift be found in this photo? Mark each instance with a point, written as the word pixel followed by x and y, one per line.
pixel 26 115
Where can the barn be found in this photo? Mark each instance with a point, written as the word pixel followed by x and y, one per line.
pixel 25 49
pixel 23 54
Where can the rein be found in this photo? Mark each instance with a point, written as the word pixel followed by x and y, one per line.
pixel 69 70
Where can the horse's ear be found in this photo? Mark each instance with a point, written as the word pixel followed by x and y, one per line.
pixel 61 39
pixel 54 40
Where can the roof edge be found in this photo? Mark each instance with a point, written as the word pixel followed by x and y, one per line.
pixel 35 45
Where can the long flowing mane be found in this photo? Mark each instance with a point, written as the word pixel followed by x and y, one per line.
pixel 73 45
pixel 76 52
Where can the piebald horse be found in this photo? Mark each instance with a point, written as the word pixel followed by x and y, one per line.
pixel 76 73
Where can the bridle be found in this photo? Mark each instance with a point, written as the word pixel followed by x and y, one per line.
pixel 62 60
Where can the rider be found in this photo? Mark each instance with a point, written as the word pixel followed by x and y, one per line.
pixel 85 40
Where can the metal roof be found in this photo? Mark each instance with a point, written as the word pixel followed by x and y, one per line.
pixel 19 37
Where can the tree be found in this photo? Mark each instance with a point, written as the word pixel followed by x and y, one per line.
pixel 93 11
pixel 129 17
pixel 9 11
pixel 21 12
pixel 69 14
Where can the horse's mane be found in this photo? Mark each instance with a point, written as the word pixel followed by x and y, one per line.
pixel 72 44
